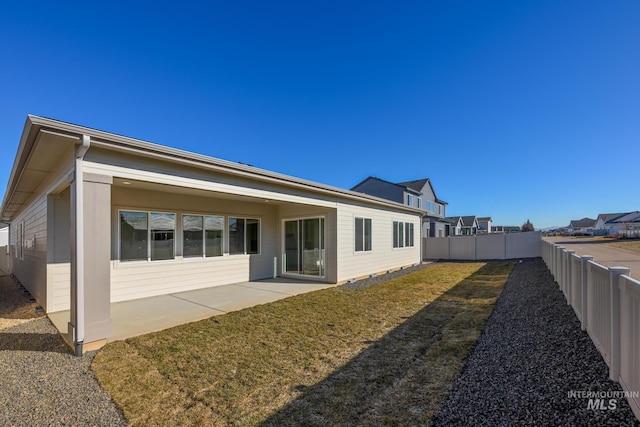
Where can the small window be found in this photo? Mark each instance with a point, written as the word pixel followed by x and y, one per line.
pixel 430 206
pixel 398 234
pixel 214 231
pixel 192 236
pixel 20 241
pixel 244 236
pixel 419 202
pixel 163 226
pixel 363 234
pixel 408 240
pixel 409 200
pixel 133 236
pixel 403 234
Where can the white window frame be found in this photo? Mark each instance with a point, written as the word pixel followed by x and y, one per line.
pixel 364 234
pixel 403 235
pixel 20 241
pixel 245 218
pixel 175 236
pixel 410 199
pixel 204 234
pixel 419 202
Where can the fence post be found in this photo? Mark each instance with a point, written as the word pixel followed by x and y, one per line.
pixel 569 275
pixel 614 274
pixel 584 260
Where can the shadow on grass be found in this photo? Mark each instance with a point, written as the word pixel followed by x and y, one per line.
pixel 402 378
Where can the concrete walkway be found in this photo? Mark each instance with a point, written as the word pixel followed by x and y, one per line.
pixel 601 253
pixel 142 316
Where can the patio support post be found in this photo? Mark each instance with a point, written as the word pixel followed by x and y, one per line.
pixel 90 319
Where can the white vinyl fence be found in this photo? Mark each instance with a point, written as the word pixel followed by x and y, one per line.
pixel 483 246
pixel 607 302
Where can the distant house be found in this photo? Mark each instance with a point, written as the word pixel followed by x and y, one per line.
pixel 484 225
pixel 604 226
pixel 455 225
pixel 469 225
pixel 584 226
pixel 627 222
pixel 418 194
pixel 506 229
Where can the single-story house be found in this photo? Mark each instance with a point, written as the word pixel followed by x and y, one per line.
pixel 583 226
pixel 97 218
pixel 506 229
pixel 604 225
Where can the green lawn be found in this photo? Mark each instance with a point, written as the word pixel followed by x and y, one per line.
pixel 383 355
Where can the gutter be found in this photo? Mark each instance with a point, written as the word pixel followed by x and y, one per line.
pixel 78 338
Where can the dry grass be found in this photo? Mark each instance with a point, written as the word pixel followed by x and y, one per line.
pixel 627 245
pixel 384 355
pixel 15 307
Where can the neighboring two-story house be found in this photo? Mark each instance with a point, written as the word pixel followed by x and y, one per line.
pixel 419 194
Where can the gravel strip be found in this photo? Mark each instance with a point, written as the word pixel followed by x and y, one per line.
pixel 371 281
pixel 41 382
pixel 529 357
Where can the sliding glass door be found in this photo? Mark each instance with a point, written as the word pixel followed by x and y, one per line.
pixel 304 247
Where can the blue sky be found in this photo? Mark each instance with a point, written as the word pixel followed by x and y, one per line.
pixel 515 109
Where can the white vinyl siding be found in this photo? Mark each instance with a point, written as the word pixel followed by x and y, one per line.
pixel 382 257
pixel 134 280
pixel 30 265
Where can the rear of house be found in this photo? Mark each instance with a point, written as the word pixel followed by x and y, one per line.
pixel 97 218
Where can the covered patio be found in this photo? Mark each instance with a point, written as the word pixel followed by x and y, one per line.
pixel 142 316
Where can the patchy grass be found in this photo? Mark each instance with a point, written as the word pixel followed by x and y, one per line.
pixel 383 355
pixel 627 245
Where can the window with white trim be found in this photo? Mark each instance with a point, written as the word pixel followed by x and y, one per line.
pixel 409 199
pixel 244 236
pixel 403 233
pixel 20 241
pixel 202 236
pixel 147 236
pixel 363 234
pixel 419 202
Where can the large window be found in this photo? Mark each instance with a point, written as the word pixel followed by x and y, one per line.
pixel 163 230
pixel 145 236
pixel 134 236
pixel 363 234
pixel 244 236
pixel 403 234
pixel 202 235
pixel 430 206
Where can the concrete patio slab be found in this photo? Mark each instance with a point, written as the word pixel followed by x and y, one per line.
pixel 146 315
